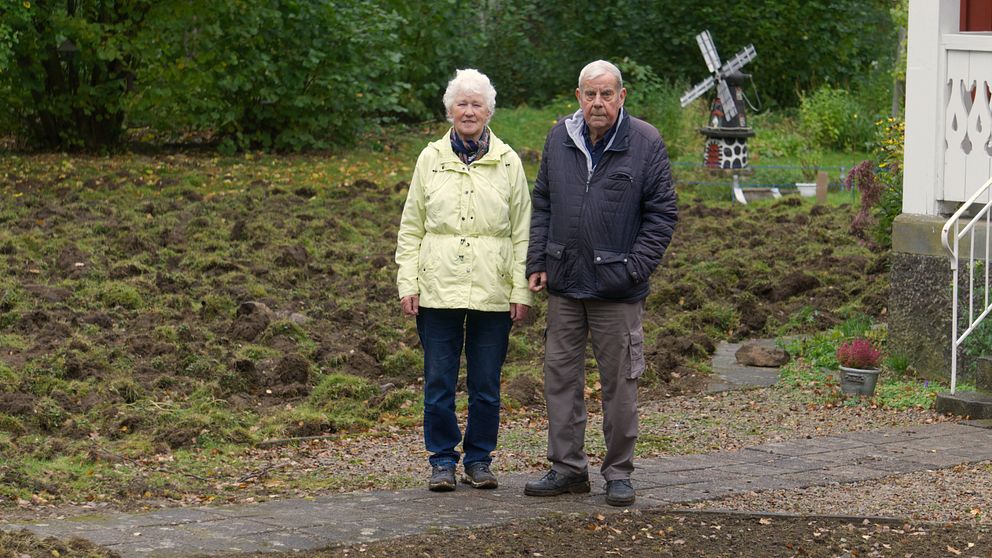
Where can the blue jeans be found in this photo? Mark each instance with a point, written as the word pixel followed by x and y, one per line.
pixel 485 336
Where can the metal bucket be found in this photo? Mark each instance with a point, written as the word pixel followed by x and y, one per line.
pixel 856 381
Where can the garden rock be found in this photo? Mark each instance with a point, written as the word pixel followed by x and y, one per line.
pixel 753 354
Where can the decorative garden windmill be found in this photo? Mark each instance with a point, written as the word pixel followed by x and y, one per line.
pixel 727 132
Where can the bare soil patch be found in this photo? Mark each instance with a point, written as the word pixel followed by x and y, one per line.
pixel 675 533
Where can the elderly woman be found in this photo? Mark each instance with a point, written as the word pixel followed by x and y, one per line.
pixel 461 250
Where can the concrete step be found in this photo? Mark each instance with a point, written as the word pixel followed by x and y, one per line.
pixel 976 405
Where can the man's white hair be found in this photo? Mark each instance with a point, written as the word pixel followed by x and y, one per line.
pixel 595 69
pixel 470 81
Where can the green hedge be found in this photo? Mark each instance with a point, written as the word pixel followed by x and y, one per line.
pixel 302 74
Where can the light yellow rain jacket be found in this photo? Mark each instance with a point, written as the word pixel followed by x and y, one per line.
pixel 463 236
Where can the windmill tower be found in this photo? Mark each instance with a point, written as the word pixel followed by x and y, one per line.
pixel 727 131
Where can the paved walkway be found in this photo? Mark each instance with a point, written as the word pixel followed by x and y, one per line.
pixel 284 525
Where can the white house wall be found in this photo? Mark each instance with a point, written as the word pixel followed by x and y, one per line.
pixel 929 20
pixel 948 109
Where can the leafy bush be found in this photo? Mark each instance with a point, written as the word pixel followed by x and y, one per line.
pixel 834 119
pixel 863 178
pixel 889 151
pixel 67 68
pixel 430 57
pixel 880 185
pixel 652 99
pixel 282 74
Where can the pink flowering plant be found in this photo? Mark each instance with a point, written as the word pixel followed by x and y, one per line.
pixel 858 353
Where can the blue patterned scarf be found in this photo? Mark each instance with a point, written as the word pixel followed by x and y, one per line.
pixel 468 150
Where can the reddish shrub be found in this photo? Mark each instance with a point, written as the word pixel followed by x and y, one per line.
pixel 859 353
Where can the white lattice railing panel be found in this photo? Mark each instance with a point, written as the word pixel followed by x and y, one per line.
pixel 967 123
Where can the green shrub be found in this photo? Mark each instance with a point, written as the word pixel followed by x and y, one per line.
pixel 282 74
pixel 74 67
pixel 889 151
pixel 834 119
pixel 657 101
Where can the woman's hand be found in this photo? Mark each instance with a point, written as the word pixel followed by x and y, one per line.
pixel 518 311
pixel 410 304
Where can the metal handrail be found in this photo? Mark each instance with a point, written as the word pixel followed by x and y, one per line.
pixel 953 252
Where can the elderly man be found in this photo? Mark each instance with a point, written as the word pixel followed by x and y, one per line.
pixel 603 214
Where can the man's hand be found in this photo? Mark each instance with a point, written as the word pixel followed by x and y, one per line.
pixel 518 311
pixel 411 305
pixel 537 281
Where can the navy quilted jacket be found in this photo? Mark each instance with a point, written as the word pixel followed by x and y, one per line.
pixel 599 235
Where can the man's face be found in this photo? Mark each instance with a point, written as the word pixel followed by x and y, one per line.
pixel 600 100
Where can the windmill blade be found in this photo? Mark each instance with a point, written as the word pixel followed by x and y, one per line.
pixel 697 90
pixel 738 61
pixel 726 99
pixel 705 42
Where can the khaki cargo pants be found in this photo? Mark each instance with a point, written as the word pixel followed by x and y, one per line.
pixel 618 345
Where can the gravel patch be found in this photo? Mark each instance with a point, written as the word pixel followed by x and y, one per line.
pixel 961 494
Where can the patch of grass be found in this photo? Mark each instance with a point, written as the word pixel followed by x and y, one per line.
pixel 406 363
pixel 116 294
pixel 333 388
pixel 527 127
pixel 13 341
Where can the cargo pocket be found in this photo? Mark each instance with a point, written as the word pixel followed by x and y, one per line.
pixel 636 348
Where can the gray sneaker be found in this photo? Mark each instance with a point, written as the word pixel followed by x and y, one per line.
pixel 619 492
pixel 442 478
pixel 479 476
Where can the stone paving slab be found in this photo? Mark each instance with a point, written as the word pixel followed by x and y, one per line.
pixel 808 446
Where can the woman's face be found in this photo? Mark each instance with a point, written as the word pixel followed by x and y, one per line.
pixel 469 115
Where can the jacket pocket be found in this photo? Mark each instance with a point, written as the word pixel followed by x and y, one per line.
pixel 612 278
pixel 557 266
pixel 619 179
pixel 636 348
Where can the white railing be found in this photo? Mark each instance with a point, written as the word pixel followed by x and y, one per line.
pixel 952 246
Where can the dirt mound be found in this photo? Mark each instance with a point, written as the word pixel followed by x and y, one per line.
pixel 794 284
pixel 291 369
pixel 525 390
pixel 17 403
pixel 251 320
